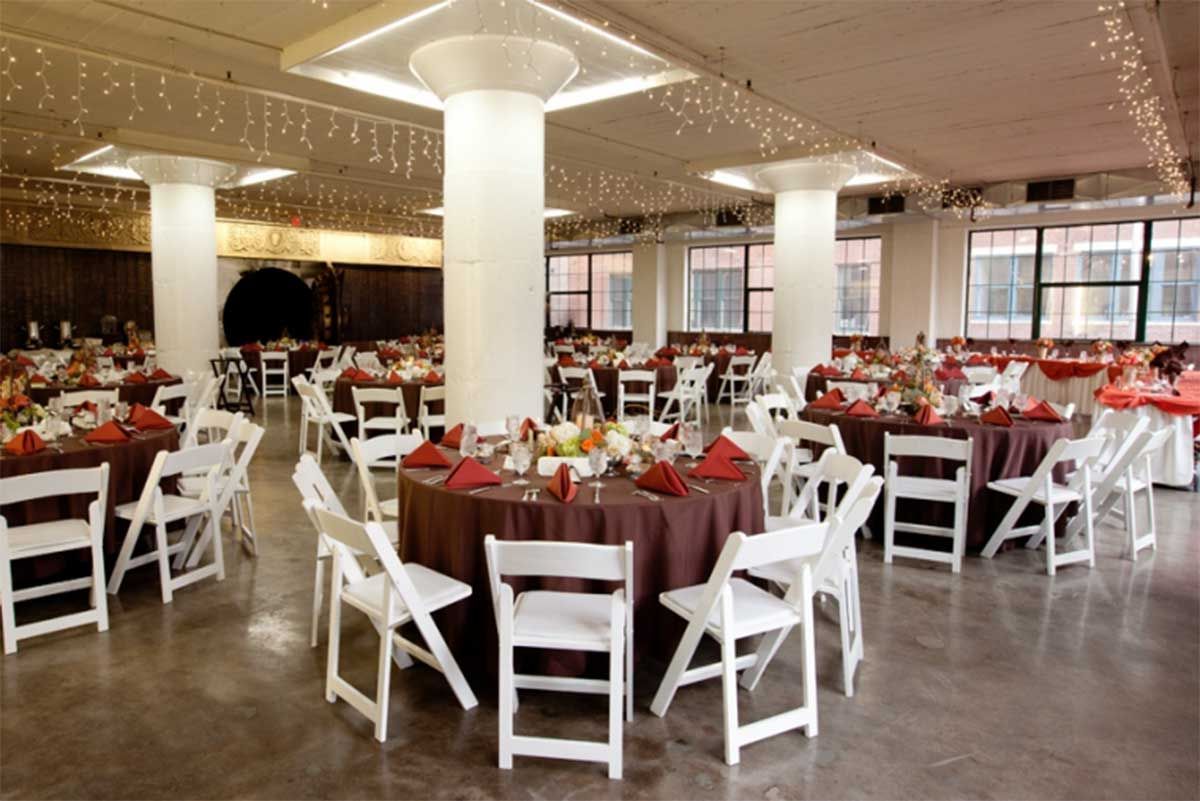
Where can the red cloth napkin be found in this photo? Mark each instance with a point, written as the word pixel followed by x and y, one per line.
pixel 109 432
pixel 1042 410
pixel 926 416
pixel 666 353
pixel 144 419
pixel 671 433
pixel 24 361
pixel 859 374
pixel 624 365
pixel 662 477
pixel 950 374
pixel 468 474
pixel 983 399
pixel 109 352
pixel 725 447
pixel 432 377
pixel 566 360
pixel 860 408
pixel 89 380
pixel 86 406
pixel 349 372
pixel 830 400
pixel 135 378
pixel 998 416
pixel 949 361
pixel 829 371
pixel 561 486
pixel 161 375
pixel 453 437
pixel 38 378
pixel 740 351
pixel 528 426
pixel 595 365
pixel 25 442
pixel 976 361
pixel 394 378
pixel 425 455
pixel 253 347
pixel 718 467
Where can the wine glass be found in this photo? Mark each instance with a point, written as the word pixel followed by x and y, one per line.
pixel 469 441
pixel 512 424
pixel 522 458
pixel 693 443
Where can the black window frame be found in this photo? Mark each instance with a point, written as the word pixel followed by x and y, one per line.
pixel 587 293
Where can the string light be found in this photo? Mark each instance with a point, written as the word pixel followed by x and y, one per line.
pixel 6 76
pixel 80 110
pixel 133 98
pixel 42 69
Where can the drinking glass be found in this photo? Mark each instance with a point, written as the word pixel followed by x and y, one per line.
pixel 512 424
pixel 122 410
pixel 693 443
pixel 597 460
pixel 468 442
pixel 522 458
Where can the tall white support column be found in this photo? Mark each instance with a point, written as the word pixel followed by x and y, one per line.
pixel 183 257
pixel 914 282
pixel 805 230
pixel 650 294
pixel 494 200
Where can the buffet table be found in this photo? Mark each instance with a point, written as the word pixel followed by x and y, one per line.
pixel 676 541
pixel 997 452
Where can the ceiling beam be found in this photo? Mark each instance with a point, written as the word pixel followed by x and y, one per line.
pixel 1156 43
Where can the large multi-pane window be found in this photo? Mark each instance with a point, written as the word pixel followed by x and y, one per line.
pixel 1124 280
pixel 731 287
pixel 590 290
pixel 857 266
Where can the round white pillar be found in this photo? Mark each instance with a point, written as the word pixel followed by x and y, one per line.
pixel 805 231
pixel 495 90
pixel 183 257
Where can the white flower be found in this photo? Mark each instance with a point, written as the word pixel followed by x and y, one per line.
pixel 618 444
pixel 564 431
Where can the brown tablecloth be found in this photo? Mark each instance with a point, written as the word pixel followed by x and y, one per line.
pixel 129 465
pixel 129 393
pixel 676 542
pixel 818 383
pixel 343 400
pixel 997 453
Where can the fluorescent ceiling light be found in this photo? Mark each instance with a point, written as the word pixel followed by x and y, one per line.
pixel 93 154
pixel 868 178
pixel 266 174
pixel 391 26
pixel 593 29
pixel 548 213
pixel 114 171
pixel 733 179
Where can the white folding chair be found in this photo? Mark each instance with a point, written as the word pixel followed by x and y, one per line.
pixel 158 508
pixel 215 424
pixel 325 361
pixel 1065 410
pixel 832 471
pixel 426 419
pixel 980 375
pixel 835 571
pixel 235 482
pixel 927 490
pixel 56 536
pixel 105 399
pixel 166 393
pixel 686 396
pixel 104 362
pixel 382 451
pixel 1137 477
pixel 1040 488
pixel 804 436
pixel 1010 379
pixel 771 454
pixel 205 396
pixel 688 362
pixel 314 486
pixel 642 398
pixel 398 595
pixel 315 410
pixel 776 405
pixel 796 388
pixel 569 350
pixel 577 379
pixel 736 383
pixel 368 360
pixel 394 423
pixel 762 375
pixel 760 421
pixel 569 621
pixel 274 365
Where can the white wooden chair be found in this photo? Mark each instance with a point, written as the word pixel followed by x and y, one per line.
pixel 183 392
pixel 1137 477
pixel 369 361
pixel 805 436
pixel 394 423
pixel 158 508
pixel 214 424
pixel 426 419
pixel 927 490
pixel 832 471
pixel 568 621
pixel 206 389
pixel 688 362
pixel 1040 488
pixel 776 405
pixel 325 361
pixel 104 362
pixel 835 571
pixel 274 365
pixel 762 376
pixel 736 383
pixel 795 387
pixel 235 481
pixel 56 536
pixel 980 375
pixel 398 595
pixel 729 609
pixel 771 454
pixel 568 350
pixel 760 421
pixel 383 451
pixel 345 357
pixel 105 399
pixel 316 411
pixel 641 399
pixel 1010 379
pixel 687 396
pixel 577 380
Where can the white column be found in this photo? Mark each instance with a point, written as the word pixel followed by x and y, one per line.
pixel 914 285
pixel 183 257
pixel 805 229
pixel 494 199
pixel 650 294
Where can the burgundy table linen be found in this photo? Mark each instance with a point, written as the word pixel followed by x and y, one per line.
pixel 127 392
pixel 997 453
pixel 676 542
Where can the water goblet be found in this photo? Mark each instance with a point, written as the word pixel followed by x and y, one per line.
pixel 597 460
pixel 468 442
pixel 522 458
pixel 693 443
pixel 512 424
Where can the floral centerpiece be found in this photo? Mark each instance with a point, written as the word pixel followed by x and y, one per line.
pixel 17 411
pixel 856 343
pixel 1101 347
pixel 916 383
pixel 958 344
pixel 880 356
pixel 1044 344
pixel 569 440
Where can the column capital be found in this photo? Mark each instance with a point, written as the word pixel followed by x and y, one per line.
pixel 163 169
pixel 491 61
pixel 811 173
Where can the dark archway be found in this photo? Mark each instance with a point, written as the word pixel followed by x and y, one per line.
pixel 264 303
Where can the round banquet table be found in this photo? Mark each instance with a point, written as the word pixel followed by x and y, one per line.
pixel 129 465
pixel 1062 380
pixel 343 400
pixel 997 452
pixel 128 392
pixel 676 542
pixel 818 383
pixel 1174 464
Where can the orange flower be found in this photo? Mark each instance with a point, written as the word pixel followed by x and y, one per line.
pixel 587 445
pixel 597 437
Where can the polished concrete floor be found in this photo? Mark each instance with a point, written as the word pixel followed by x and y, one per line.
pixel 999 682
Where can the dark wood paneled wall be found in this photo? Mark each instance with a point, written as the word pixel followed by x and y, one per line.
pixel 53 284
pixel 386 302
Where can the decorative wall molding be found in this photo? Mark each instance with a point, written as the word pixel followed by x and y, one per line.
pixel 112 230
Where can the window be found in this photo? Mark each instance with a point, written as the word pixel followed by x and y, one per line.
pixel 716 288
pixel 590 290
pixel 1123 280
pixel 857 263
pixel 1173 298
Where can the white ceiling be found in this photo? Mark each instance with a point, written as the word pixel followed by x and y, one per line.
pixel 970 90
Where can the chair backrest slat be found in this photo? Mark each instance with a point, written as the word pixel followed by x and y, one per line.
pixel 54 483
